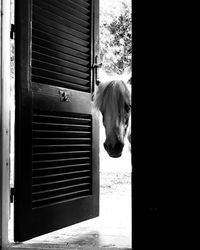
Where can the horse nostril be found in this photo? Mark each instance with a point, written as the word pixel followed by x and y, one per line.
pixel 105 146
pixel 119 146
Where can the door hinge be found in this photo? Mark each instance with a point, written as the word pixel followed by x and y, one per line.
pixel 12 192
pixel 12 31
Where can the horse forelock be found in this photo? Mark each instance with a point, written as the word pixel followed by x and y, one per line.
pixel 111 97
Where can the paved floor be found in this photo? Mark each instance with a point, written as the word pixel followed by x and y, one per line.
pixel 112 229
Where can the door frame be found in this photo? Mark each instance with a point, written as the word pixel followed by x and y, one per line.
pixel 4 121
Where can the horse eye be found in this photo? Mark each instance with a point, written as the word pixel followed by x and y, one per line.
pixel 126 122
pixel 127 107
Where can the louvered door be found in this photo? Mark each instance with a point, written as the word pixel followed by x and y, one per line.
pixel 56 144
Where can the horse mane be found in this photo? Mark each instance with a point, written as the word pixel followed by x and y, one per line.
pixel 112 94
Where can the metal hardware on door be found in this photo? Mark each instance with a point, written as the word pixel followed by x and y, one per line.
pixel 65 96
pixel 97 65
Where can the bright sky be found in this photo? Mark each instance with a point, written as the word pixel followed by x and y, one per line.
pixel 112 8
pixel 109 5
pixel 113 4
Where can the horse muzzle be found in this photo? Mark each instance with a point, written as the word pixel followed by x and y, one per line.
pixel 114 150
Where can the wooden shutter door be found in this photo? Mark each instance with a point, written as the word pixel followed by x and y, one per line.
pixel 56 144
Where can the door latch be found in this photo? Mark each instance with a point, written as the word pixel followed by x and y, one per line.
pixel 97 65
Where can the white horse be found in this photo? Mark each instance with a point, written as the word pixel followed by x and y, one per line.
pixel 113 100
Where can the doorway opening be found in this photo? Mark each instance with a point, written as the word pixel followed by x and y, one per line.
pixel 113 227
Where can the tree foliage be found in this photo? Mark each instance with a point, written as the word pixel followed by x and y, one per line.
pixel 116 39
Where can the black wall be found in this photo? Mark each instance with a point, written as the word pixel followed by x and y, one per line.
pixel 162 85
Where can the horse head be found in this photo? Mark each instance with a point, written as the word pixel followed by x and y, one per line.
pixel 113 99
